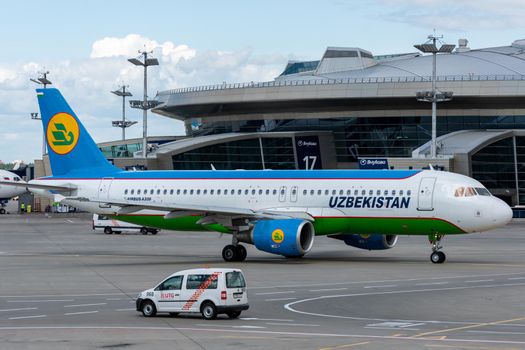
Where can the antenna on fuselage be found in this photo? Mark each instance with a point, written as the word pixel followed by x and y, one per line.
pixel 212 167
pixel 431 167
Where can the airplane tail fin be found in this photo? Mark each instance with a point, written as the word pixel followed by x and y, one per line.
pixel 71 149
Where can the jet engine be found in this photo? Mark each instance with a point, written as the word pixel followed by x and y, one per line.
pixel 370 242
pixel 287 237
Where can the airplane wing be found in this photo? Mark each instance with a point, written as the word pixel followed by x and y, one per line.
pixel 179 209
pixel 38 186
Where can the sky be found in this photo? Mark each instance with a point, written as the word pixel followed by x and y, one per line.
pixel 85 46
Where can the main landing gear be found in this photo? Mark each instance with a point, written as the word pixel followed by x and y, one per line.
pixel 235 251
pixel 232 253
pixel 437 256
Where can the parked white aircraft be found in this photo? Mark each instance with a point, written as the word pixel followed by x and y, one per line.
pixel 278 211
pixel 6 191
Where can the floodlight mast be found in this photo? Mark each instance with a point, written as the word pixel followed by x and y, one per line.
pixel 123 124
pixel 430 47
pixel 146 62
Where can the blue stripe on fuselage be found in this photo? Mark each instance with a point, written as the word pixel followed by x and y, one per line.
pixel 249 174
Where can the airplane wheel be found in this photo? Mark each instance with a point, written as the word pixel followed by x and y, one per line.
pixel 437 257
pixel 230 253
pixel 144 231
pixel 154 232
pixel 2 211
pixel 108 230
pixel 242 253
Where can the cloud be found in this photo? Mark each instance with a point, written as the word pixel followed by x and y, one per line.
pixel 456 14
pixel 86 84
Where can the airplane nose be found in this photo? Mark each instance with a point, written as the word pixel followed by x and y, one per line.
pixel 502 213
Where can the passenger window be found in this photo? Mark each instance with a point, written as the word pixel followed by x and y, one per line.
pixel 239 192
pixel 246 192
pixel 260 192
pixel 356 192
pixel 172 283
pixel 459 192
pixel 386 193
pixel 363 192
pixel 132 191
pixel 185 191
pixel 283 191
pixel 201 282
pixel 274 192
pixel 218 192
pixel 409 193
pixel 371 192
pixel 400 192
pixel 378 192
pixel 253 192
pixel 205 191
pixel 305 192
pixel 312 192
pixel 326 192
pixel 125 191
pixel 198 191
pixel 165 192
pixel 158 191
pixel 178 192
pixel 341 192
pixel 393 192
pixel 138 191
pixel 151 191
pixel 235 280
pixel 334 192
pixel 171 192
pixel 212 191
pixel 232 192
pixel 348 192
pixel 191 192
pixel 267 192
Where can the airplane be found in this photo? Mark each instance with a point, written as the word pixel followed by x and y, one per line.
pixel 6 191
pixel 278 211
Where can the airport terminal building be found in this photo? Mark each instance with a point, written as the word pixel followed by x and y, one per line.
pixel 351 109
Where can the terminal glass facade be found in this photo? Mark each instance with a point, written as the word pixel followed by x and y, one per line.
pixel 501 166
pixel 276 153
pixel 371 136
pixel 121 151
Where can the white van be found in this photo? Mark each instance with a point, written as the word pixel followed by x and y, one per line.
pixel 207 291
pixel 109 226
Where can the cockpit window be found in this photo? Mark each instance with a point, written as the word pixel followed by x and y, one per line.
pixel 482 191
pixel 469 192
pixel 459 192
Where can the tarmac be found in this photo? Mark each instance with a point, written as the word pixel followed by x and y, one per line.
pixel 65 286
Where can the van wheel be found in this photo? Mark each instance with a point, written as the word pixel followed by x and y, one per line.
pixel 209 311
pixel 148 309
pixel 233 314
pixel 108 230
pixel 117 232
pixel 2 211
pixel 144 230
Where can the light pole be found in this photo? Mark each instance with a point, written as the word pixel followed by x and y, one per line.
pixel 121 91
pixel 433 96
pixel 144 104
pixel 35 116
pixel 41 80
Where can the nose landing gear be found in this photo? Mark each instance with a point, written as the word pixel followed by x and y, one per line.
pixel 437 256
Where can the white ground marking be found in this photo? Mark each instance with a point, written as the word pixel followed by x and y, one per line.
pixel 391 325
pixel 38 301
pixel 430 283
pixel 63 295
pixel 264 319
pixel 22 317
pixel 292 324
pixel 113 299
pixel 290 308
pixel 237 331
pixel 71 221
pixel 280 299
pixel 81 305
pixel 20 309
pixel 130 309
pixel 516 278
pixel 496 332
pixel 254 327
pixel 270 293
pixel 327 290
pixel 389 281
pixel 80 313
pixel 478 281
pixel 382 286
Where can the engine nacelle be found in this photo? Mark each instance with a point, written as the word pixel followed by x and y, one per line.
pixel 288 237
pixel 369 242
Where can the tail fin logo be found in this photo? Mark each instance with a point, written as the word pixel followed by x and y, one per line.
pixel 62 133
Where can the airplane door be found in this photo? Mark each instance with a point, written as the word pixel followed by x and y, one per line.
pixel 425 196
pixel 293 194
pixel 282 194
pixel 103 187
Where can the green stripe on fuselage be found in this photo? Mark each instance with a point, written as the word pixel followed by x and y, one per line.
pixel 322 225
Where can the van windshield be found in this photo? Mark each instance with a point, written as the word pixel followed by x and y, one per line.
pixel 235 280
